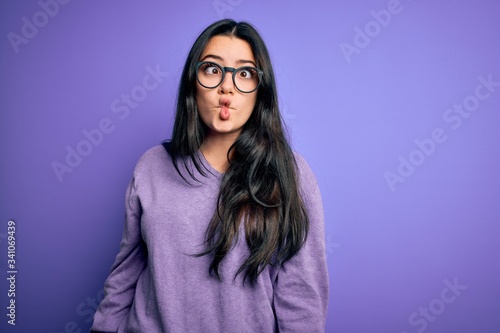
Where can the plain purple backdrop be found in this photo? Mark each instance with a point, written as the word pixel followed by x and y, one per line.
pixel 389 102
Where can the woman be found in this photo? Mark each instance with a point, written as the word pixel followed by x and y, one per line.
pixel 224 226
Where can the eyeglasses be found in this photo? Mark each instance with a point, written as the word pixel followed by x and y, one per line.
pixel 210 75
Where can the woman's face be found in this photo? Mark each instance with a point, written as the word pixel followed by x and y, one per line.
pixel 224 109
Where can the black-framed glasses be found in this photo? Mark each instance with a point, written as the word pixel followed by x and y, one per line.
pixel 210 75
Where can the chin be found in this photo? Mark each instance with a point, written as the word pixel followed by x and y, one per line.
pixel 222 130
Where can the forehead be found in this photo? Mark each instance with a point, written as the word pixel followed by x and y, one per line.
pixel 230 49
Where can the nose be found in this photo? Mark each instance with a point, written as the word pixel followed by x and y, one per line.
pixel 227 85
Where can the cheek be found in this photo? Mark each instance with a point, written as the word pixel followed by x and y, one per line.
pixel 201 100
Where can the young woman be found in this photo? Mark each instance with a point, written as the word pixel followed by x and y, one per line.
pixel 224 226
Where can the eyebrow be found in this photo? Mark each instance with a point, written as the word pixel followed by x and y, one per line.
pixel 239 61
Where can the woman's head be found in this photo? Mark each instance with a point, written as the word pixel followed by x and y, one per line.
pixel 226 86
pixel 201 110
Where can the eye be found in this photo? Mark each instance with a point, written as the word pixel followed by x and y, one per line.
pixel 211 69
pixel 247 73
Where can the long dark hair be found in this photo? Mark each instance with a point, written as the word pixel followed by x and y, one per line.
pixel 260 185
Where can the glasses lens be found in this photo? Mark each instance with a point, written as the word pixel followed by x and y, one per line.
pixel 246 79
pixel 209 74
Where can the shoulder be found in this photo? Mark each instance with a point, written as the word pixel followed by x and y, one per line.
pixel 307 179
pixel 311 196
pixel 309 189
pixel 152 160
pixel 301 162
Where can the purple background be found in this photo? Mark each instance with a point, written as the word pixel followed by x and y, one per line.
pixel 394 249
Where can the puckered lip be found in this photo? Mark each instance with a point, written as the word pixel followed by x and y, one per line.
pixel 224 102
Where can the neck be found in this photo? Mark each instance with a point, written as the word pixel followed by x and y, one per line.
pixel 215 148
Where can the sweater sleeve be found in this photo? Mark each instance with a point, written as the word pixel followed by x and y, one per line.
pixel 301 288
pixel 130 262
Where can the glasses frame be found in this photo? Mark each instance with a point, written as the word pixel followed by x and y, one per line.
pixel 229 69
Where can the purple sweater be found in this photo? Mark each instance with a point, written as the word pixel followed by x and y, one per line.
pixel 156 285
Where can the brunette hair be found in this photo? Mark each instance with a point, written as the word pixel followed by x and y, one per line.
pixel 260 186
